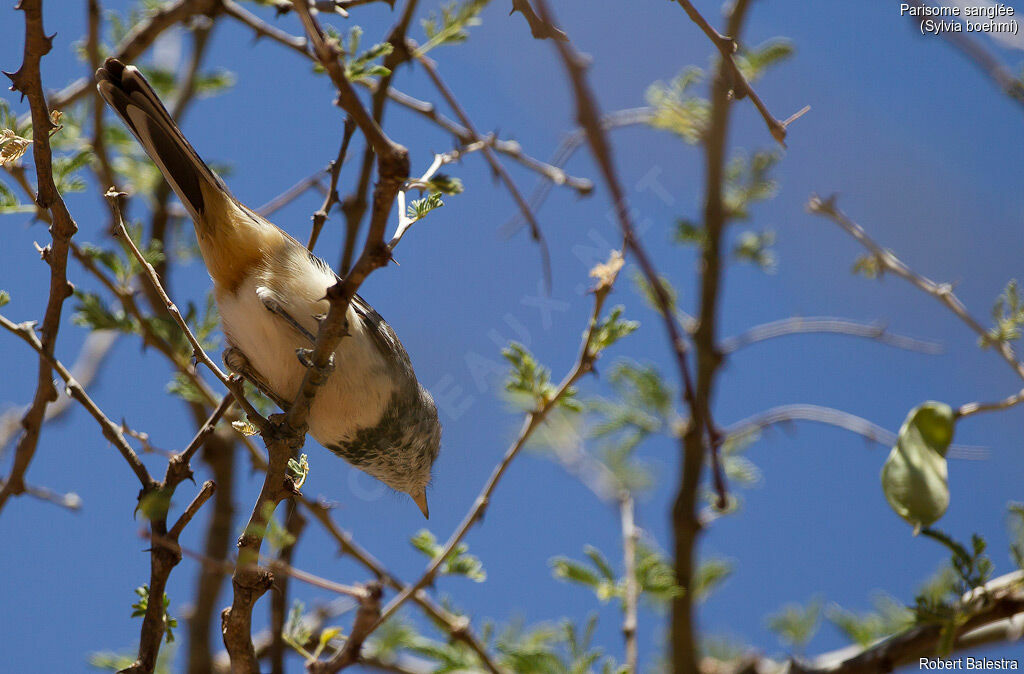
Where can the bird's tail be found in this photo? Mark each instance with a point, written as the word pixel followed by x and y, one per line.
pixel 128 92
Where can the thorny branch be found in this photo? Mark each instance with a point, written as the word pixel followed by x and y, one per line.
pixel 111 431
pixel 943 292
pixel 27 80
pixel 738 86
pixel 492 160
pixel 283 438
pixel 584 364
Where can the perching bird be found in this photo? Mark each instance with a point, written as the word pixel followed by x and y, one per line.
pixel 271 291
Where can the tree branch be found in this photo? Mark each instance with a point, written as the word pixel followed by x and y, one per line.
pixel 727 46
pixel 27 80
pixel 887 260
pixel 994 605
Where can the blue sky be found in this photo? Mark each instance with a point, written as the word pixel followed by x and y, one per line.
pixel 923 150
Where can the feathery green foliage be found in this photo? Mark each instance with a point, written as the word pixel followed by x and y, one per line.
pixel 795 624
pixel 458 563
pixel 676 109
pixel 451 26
pixel 1008 315
pixel 142 605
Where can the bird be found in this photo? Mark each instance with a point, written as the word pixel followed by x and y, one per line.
pixel 271 292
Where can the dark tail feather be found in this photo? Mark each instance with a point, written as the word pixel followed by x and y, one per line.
pixel 127 91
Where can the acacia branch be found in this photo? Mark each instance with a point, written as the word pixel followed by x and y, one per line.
pixel 331 198
pixel 232 384
pixel 138 40
pixel 458 627
pixel 354 205
pixel 887 261
pixel 496 166
pixel 286 435
pixel 111 431
pixel 584 364
pixel 87 365
pixel 27 80
pixel 552 173
pixel 995 605
pixel 155 501
pixel 988 64
pixel 727 46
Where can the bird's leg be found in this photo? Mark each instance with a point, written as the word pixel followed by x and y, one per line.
pixel 274 307
pixel 237 362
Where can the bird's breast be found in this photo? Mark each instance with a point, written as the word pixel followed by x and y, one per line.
pixel 357 392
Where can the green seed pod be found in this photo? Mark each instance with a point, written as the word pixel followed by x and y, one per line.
pixel 914 477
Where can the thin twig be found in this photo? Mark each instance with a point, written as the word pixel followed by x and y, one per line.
pixel 727 46
pixel 458 627
pixel 496 166
pixel 334 170
pixel 632 590
pixel 943 292
pixel 142 35
pixel 232 384
pixel 285 436
pixel 584 364
pixel 1000 600
pixel 111 431
pixel 825 325
pixel 87 365
pixel 979 56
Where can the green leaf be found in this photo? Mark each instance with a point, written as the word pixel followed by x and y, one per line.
pixel 184 388
pixel 1008 315
pixel 5 297
pixel 796 625
pixel 9 202
pixel 529 382
pixel 270 529
pixel 418 209
pixel 154 504
pixel 452 24
pixel 689 233
pixel 710 574
pixel 361 66
pixel 142 605
pixel 600 562
pixel 655 575
pixel 755 248
pixel 678 111
pixel 458 563
pixel 755 61
pixel 868 266
pixel 748 181
pixel 445 184
pixel 64 169
pixel 888 617
pixel 915 476
pixel 611 329
pixel 215 82
pixel 648 292
pixel 91 312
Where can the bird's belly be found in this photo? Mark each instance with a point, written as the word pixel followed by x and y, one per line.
pixel 357 391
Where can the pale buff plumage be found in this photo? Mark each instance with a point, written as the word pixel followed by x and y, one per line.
pixel 371 411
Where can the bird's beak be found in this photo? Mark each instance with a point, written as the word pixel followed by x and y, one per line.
pixel 421 501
